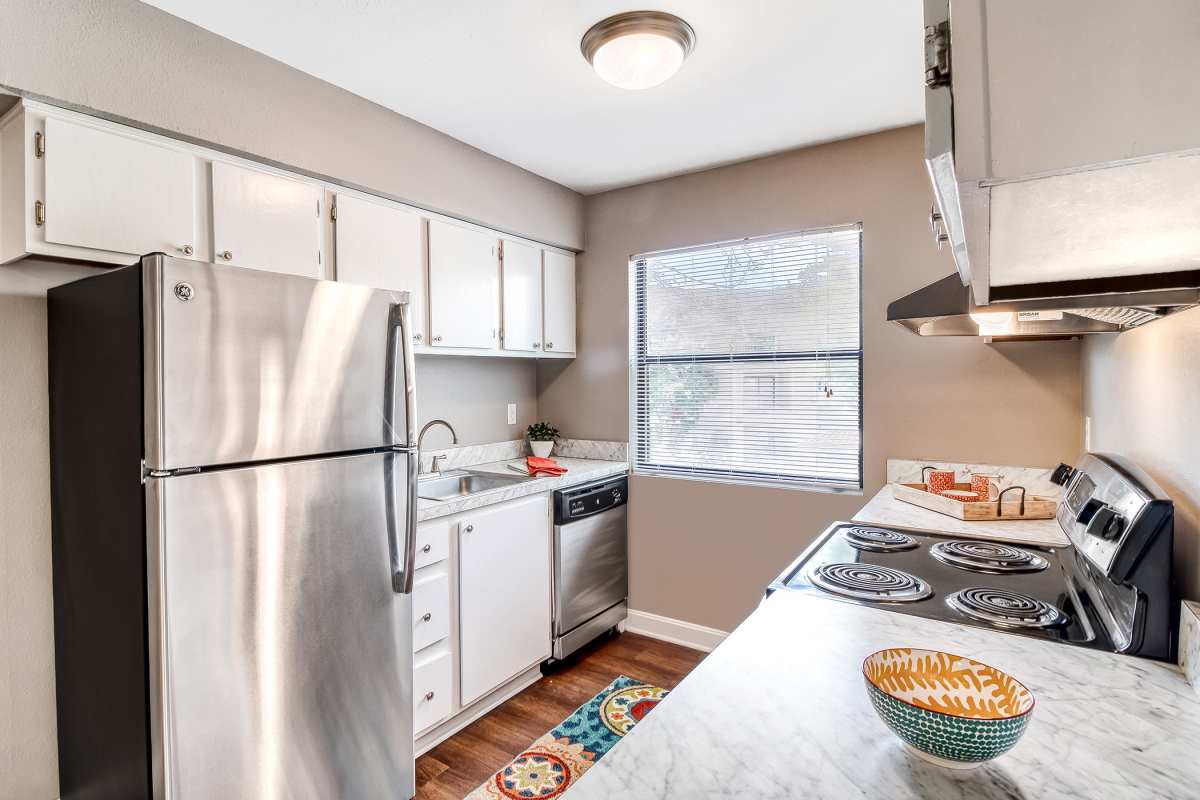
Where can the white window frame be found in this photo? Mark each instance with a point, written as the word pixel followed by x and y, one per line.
pixel 638 358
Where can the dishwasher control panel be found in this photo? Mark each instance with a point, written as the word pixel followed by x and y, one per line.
pixel 591 498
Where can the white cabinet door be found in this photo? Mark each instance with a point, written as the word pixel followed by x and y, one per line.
pixel 265 221
pixel 110 192
pixel 559 279
pixel 383 246
pixel 504 593
pixel 521 275
pixel 464 286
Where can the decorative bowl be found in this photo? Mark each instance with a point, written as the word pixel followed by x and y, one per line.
pixel 950 710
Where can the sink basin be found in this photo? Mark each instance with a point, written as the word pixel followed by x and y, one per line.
pixel 461 483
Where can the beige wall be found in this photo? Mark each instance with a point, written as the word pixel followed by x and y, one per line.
pixel 1142 392
pixel 473 394
pixel 130 60
pixel 703 552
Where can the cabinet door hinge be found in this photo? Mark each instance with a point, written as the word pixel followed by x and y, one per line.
pixel 937 54
pixel 39 213
pixel 39 144
pixel 333 211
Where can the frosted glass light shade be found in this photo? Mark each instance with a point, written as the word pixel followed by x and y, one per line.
pixel 638 49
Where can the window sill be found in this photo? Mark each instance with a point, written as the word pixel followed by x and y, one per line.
pixel 818 488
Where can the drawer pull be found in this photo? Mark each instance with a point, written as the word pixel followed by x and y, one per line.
pixel 426 617
pixel 426 548
pixel 429 695
pixel 470 528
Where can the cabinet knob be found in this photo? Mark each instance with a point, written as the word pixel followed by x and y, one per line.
pixel 426 617
pixel 469 528
pixel 416 337
pixel 429 695
pixel 549 345
pixel 228 256
pixel 536 345
pixel 187 250
pixel 437 338
pixel 426 548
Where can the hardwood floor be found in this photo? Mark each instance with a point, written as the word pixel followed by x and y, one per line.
pixel 459 764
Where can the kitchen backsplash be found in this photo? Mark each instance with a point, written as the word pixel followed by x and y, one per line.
pixel 471 454
pixel 1036 480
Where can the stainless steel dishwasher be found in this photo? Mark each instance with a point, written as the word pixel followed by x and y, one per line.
pixel 591 562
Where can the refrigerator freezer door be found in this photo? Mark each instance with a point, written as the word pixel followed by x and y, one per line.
pixel 281 656
pixel 244 366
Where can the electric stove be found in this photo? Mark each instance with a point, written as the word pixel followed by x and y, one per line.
pixel 1109 589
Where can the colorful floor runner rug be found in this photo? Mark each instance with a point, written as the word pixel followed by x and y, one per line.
pixel 554 762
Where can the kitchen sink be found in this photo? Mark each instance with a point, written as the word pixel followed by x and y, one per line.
pixel 461 483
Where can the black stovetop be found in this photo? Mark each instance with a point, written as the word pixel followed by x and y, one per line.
pixel 1052 585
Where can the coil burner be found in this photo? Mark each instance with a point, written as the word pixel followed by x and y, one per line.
pixel 1006 609
pixel 870 582
pixel 989 557
pixel 877 540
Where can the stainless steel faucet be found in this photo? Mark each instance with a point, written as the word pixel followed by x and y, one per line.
pixel 421 437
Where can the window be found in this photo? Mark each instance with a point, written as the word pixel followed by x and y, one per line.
pixel 746 360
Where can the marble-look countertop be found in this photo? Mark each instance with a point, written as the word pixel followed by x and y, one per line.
pixel 884 509
pixel 579 470
pixel 778 710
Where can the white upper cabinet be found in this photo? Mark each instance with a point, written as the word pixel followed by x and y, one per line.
pixel 464 286
pixel 383 246
pixel 522 302
pixel 110 192
pixel 265 221
pixel 559 309
pixel 504 593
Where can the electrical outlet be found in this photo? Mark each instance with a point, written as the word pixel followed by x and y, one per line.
pixel 512 413
pixel 1087 434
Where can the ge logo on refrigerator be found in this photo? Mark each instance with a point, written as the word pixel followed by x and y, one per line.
pixel 184 291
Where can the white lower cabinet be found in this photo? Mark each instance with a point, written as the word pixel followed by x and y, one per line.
pixel 504 593
pixel 430 610
pixel 432 683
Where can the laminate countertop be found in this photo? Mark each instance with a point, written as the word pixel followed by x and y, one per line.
pixel 884 509
pixel 579 470
pixel 779 710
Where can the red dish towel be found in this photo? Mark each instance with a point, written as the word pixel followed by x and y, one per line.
pixel 544 466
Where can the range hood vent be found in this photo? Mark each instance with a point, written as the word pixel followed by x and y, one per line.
pixel 945 308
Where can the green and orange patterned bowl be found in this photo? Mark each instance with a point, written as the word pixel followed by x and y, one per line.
pixel 947 709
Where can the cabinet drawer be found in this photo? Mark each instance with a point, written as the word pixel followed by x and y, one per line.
pixel 433 543
pixel 431 692
pixel 431 611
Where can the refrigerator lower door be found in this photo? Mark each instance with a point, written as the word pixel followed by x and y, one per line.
pixel 281 653
pixel 244 366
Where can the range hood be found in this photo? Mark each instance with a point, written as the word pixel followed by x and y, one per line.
pixel 945 308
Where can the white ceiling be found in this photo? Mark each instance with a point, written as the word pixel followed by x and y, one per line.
pixel 507 76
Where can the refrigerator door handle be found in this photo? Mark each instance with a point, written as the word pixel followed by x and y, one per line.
pixel 400 359
pixel 403 548
pixel 399 349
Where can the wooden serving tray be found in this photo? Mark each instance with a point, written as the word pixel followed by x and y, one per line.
pixel 1035 507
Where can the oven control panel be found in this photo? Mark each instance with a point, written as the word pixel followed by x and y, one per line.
pixel 1105 510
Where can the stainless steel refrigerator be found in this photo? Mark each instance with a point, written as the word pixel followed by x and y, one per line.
pixel 233 502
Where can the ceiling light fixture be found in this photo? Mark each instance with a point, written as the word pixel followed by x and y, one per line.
pixel 638 49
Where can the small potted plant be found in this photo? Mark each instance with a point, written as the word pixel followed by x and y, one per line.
pixel 541 438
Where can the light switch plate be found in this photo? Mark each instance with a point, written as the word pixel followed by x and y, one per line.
pixel 512 413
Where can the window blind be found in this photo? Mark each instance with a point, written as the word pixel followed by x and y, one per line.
pixel 746 360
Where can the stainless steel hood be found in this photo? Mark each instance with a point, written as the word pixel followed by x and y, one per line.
pixel 945 308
